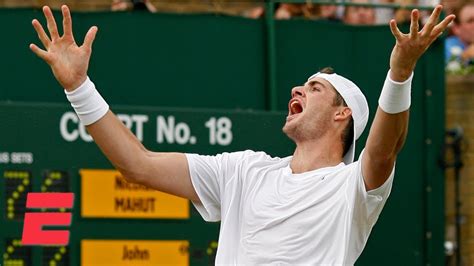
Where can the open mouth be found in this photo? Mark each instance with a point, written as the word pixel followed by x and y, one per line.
pixel 295 107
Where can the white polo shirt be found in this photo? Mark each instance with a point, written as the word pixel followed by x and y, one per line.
pixel 270 215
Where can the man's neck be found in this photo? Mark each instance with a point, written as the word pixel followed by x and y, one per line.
pixel 316 154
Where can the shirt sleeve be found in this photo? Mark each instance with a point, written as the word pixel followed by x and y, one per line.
pixel 209 176
pixel 368 205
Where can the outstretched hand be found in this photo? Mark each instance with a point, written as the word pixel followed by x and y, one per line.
pixel 409 47
pixel 68 61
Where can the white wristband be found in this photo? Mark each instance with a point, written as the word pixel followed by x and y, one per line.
pixel 396 96
pixel 87 102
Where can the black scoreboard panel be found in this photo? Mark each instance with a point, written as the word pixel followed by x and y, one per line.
pixel 55 256
pixel 17 185
pixel 55 181
pixel 15 254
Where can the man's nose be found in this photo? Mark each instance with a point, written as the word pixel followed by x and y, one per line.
pixel 297 91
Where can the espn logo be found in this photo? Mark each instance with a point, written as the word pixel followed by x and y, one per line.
pixel 33 233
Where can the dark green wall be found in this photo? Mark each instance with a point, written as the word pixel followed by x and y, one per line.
pixel 207 61
pixel 145 59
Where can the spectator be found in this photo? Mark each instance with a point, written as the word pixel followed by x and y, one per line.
pixel 383 15
pixel 460 46
pixel 450 6
pixel 254 12
pixel 359 15
pixel 328 12
pixel 287 11
pixel 123 5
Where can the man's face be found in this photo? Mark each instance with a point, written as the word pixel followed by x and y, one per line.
pixel 359 15
pixel 465 29
pixel 328 11
pixel 310 110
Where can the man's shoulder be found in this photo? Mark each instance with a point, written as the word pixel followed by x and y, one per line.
pixel 251 155
pixel 241 156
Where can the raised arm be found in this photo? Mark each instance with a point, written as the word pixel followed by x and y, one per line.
pixel 389 128
pixel 167 172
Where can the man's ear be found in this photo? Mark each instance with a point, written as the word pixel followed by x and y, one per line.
pixel 342 113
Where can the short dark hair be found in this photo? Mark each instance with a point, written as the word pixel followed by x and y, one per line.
pixel 348 133
pixel 457 11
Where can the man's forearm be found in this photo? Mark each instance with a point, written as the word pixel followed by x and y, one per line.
pixel 388 131
pixel 387 134
pixel 400 75
pixel 118 144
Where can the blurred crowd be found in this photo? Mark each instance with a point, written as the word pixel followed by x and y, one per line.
pixel 459 46
pixel 459 52
pixel 362 12
pixel 359 14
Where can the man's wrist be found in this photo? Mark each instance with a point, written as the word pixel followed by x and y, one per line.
pixel 400 75
pixel 73 86
pixel 87 102
pixel 395 96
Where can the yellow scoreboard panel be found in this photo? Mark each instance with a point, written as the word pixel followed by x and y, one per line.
pixel 131 252
pixel 106 194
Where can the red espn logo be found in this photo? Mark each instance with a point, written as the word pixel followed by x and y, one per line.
pixel 33 233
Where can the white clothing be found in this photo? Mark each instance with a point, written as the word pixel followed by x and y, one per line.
pixel 271 216
pixel 383 15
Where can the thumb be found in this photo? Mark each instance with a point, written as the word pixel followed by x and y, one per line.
pixel 90 36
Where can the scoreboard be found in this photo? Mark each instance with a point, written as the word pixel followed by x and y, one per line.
pixel 45 148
